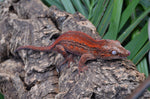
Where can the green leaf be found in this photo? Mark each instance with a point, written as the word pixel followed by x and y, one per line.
pixel 99 10
pixel 79 6
pixel 54 2
pixel 102 27
pixel 87 3
pixel 1 96
pixel 92 8
pixel 145 3
pixel 143 67
pixel 114 25
pixel 127 12
pixel 137 42
pixel 128 31
pixel 141 53
pixel 68 6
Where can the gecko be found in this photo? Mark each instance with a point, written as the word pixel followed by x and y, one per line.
pixel 78 43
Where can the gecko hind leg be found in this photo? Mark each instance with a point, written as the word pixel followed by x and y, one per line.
pixel 82 61
pixel 61 49
pixel 68 58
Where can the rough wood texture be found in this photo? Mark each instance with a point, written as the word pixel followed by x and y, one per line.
pixel 33 75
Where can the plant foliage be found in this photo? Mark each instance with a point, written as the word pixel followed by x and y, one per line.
pixel 1 96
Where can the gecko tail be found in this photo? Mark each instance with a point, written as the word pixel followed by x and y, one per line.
pixel 43 49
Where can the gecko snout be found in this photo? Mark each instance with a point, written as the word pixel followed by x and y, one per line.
pixel 128 52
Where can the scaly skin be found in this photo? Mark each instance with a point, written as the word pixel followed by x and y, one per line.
pixel 79 43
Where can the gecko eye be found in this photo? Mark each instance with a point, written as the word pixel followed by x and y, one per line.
pixel 114 52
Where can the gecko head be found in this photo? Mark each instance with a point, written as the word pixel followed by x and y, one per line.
pixel 112 49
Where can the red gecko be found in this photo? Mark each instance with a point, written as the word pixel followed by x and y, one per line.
pixel 79 43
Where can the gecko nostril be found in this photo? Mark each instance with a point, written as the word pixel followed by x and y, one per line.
pixel 128 52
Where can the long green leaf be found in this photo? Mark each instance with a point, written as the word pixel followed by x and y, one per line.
pixel 92 8
pixel 128 31
pixel 98 13
pixel 1 96
pixel 68 6
pixel 143 67
pixel 79 6
pixel 141 53
pixel 127 12
pixel 106 19
pixel 137 42
pixel 87 3
pixel 114 25
pixel 145 3
pixel 54 2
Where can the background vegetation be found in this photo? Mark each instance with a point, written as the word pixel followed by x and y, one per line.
pixel 123 20
pixel 1 96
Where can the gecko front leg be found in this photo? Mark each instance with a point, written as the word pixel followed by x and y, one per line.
pixel 82 61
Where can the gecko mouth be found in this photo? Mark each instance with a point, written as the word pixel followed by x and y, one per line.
pixel 114 58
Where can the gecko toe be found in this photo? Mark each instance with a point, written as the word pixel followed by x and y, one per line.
pixel 82 69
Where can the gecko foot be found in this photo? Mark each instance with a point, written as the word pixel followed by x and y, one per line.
pixel 82 68
pixel 68 59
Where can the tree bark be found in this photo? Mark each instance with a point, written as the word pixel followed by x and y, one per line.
pixel 39 75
